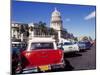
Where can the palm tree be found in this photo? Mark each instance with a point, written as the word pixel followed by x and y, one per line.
pixel 26 27
pixel 42 28
pixel 51 31
pixel 75 39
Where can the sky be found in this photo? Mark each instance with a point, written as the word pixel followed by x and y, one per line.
pixel 77 19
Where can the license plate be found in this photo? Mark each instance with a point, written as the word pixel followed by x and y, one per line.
pixel 44 68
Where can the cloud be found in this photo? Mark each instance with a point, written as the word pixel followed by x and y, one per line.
pixel 90 16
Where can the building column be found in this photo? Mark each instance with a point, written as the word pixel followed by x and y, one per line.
pixel 22 37
pixel 32 33
pixel 59 36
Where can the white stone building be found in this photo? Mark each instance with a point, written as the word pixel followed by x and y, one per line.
pixel 15 30
pixel 56 23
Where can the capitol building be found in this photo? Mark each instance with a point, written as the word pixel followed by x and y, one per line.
pixel 56 22
pixel 33 30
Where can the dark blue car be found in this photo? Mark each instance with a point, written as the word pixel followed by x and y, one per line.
pixel 88 45
pixel 16 50
pixel 15 59
pixel 84 45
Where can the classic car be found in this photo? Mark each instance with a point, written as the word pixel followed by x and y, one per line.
pixel 19 45
pixel 84 45
pixel 15 58
pixel 81 45
pixel 69 47
pixel 88 45
pixel 16 49
pixel 41 55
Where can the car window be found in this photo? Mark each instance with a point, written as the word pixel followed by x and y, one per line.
pixel 68 43
pixel 35 46
pixel 60 44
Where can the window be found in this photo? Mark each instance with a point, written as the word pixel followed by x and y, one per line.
pixel 68 43
pixel 35 46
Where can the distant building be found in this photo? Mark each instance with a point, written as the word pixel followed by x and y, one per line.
pixel 57 24
pixel 16 33
pixel 56 21
pixel 15 30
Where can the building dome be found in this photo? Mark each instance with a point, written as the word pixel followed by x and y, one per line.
pixel 55 13
pixel 55 16
pixel 56 21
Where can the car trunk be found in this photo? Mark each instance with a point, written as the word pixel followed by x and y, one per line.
pixel 42 57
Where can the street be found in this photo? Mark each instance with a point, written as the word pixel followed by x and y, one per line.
pixel 84 60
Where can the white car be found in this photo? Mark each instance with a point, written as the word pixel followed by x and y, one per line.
pixel 69 47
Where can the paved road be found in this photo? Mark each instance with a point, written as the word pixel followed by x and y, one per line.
pixel 83 60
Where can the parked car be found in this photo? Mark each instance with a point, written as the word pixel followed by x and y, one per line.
pixel 20 45
pixel 16 48
pixel 88 45
pixel 15 59
pixel 84 45
pixel 41 55
pixel 69 47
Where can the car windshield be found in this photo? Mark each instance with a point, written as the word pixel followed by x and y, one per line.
pixel 41 46
pixel 68 43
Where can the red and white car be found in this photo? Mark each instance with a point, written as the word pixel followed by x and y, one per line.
pixel 41 55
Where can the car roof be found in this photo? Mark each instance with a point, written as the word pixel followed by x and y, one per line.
pixel 42 39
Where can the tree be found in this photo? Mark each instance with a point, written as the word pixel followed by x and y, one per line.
pixel 26 28
pixel 26 33
pixel 21 29
pixel 51 31
pixel 75 39
pixel 64 33
pixel 42 27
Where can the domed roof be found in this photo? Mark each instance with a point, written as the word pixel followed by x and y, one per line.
pixel 55 13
